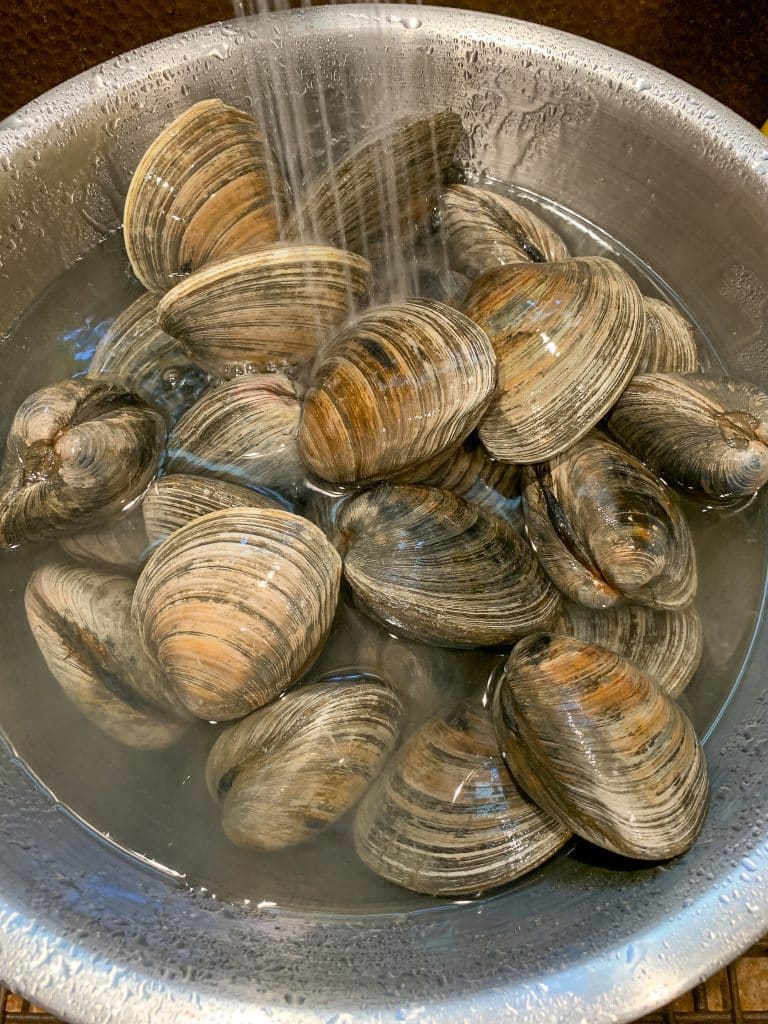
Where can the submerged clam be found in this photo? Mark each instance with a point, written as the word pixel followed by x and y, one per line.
pixel 484 230
pixel 119 545
pixel 440 569
pixel 207 188
pixel 594 741
pixel 704 434
pixel 401 384
pixel 605 529
pixel 77 453
pixel 266 308
pixel 568 337
pixel 236 605
pixel 81 620
pixel 446 818
pixel 670 344
pixel 289 770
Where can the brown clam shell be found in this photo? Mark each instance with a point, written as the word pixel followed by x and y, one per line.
pixel 670 344
pixel 119 545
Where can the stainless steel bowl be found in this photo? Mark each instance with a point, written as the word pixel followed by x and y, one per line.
pixel 684 183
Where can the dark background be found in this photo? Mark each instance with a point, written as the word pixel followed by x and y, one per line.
pixel 721 46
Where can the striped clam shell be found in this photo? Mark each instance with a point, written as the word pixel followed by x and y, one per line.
pixel 703 434
pixel 568 337
pixel 175 500
pixel 236 605
pixel 399 385
pixel 594 741
pixel 440 569
pixel 77 453
pixel 243 431
pixel 605 529
pixel 81 620
pixel 446 818
pixel 206 188
pixel 484 230
pixel 119 545
pixel 266 308
pixel 291 769
pixel 670 344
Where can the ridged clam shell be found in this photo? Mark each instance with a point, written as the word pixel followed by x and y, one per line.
pixel 77 453
pixel 667 646
pixel 703 434
pixel 594 741
pixel 568 337
pixel 206 188
pixel 120 545
pixel 446 818
pixel 440 569
pixel 289 770
pixel 266 308
pixel 399 168
pixel 243 431
pixel 401 384
pixel 670 344
pixel 236 605
pixel 605 529
pixel 484 230
pixel 81 620
pixel 175 500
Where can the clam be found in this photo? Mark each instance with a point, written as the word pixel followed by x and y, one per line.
pixel 208 187
pixel 81 620
pixel 446 818
pixel 77 453
pixel 266 308
pixel 401 384
pixel 596 743
pixel 605 529
pixel 119 545
pixel 173 501
pixel 291 769
pixel 244 432
pixel 568 337
pixel 703 434
pixel 670 344
pixel 236 605
pixel 484 230
pixel 382 188
pixel 138 354
pixel 666 645
pixel 441 570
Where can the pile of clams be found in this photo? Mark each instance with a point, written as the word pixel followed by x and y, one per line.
pixel 274 440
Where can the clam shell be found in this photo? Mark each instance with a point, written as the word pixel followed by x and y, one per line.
pixel 568 337
pixel 236 605
pixel 173 501
pixel 484 230
pixel 597 744
pixel 206 188
pixel 401 384
pixel 440 569
pixel 244 432
pixel 81 620
pixel 120 545
pixel 703 434
pixel 670 344
pixel 446 818
pixel 604 528
pixel 665 645
pixel 77 453
pixel 266 308
pixel 289 770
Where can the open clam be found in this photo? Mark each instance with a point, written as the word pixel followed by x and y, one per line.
pixel 446 818
pixel 703 434
pixel 77 453
pixel 605 529
pixel 236 605
pixel 291 769
pixel 207 188
pixel 670 344
pixel 601 747
pixel 119 545
pixel 568 337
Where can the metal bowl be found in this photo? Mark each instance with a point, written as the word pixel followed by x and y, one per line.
pixel 95 935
